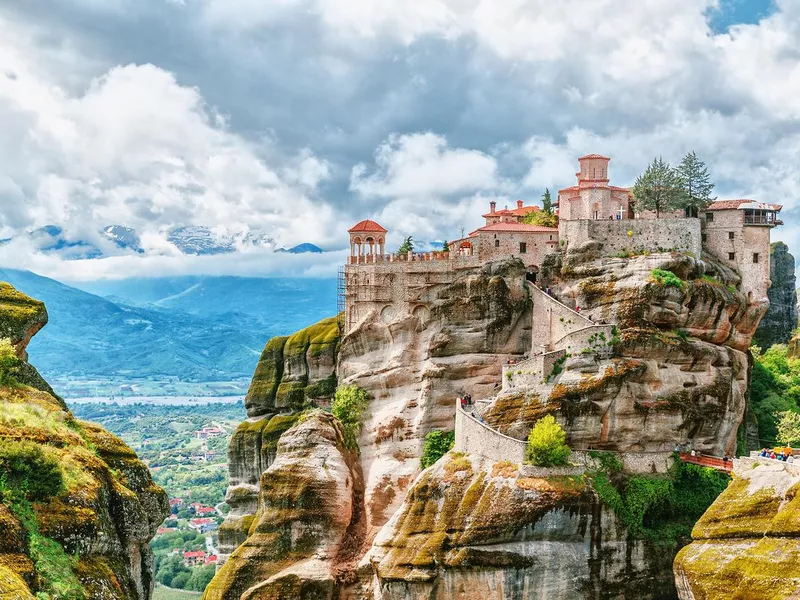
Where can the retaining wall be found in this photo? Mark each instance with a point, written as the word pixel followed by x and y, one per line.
pixel 551 320
pixel 530 373
pixel 682 235
pixel 594 337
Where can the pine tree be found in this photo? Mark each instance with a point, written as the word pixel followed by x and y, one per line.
pixel 547 202
pixel 658 188
pixel 407 246
pixel 695 183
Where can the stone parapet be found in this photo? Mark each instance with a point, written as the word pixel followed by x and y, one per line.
pixel 627 235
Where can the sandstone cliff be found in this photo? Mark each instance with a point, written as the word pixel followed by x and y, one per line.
pixel 747 545
pixel 674 371
pixel 471 530
pixel 89 539
pixel 781 319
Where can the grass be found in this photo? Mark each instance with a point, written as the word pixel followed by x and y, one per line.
pixel 165 593
pixel 667 278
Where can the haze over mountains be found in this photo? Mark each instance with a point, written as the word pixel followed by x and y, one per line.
pixel 193 240
pixel 192 328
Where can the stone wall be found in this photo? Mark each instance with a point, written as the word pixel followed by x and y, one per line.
pixel 629 234
pixel 551 320
pixel 595 338
pixel 530 373
pixel 493 245
pixel 478 439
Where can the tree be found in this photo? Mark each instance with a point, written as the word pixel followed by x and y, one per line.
pixel 695 183
pixel 546 444
pixel 789 428
pixel 437 444
pixel 348 405
pixel 658 188
pixel 541 218
pixel 547 202
pixel 407 246
pixel 200 578
pixel 445 246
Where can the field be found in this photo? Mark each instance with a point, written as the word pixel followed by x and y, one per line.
pixel 164 593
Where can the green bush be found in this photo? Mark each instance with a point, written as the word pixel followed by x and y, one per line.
pixel 667 278
pixel 200 578
pixel 26 471
pixel 8 363
pixel 437 444
pixel 348 405
pixel 546 444
pixel 661 508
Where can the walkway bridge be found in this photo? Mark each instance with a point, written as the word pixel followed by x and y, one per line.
pixel 713 462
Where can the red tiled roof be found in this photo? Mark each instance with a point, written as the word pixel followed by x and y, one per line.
pixel 569 189
pixel 367 225
pixel 594 156
pixel 194 554
pixel 619 189
pixel 735 204
pixel 515 227
pixel 201 521
pixel 521 212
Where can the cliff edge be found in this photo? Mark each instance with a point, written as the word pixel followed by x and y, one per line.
pixel 78 508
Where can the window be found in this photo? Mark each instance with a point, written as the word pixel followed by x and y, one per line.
pixel 709 216
pixel 497 243
pixel 551 237
pixel 731 256
pixel 731 235
pixel 755 257
pixel 523 247
pixel 704 237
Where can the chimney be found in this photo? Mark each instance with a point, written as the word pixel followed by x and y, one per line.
pixel 519 203
pixel 492 206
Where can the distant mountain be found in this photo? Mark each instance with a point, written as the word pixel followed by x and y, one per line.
pixel 193 328
pixel 52 239
pixel 302 248
pixel 123 237
pixel 200 240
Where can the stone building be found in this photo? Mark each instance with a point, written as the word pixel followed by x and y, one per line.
pixel 593 197
pixel 737 232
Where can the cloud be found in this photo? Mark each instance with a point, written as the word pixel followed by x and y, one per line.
pixel 300 117
pixel 137 148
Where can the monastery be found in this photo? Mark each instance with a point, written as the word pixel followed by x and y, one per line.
pixel 735 232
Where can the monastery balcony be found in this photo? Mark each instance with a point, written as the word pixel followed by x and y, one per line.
pixel 762 220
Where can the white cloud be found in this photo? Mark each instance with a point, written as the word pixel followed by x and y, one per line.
pixel 422 164
pixel 139 149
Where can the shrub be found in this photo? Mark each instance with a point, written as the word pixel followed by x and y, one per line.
pixel 546 444
pixel 437 444
pixel 27 471
pixel 789 428
pixel 667 278
pixel 348 406
pixel 8 362
pixel 682 334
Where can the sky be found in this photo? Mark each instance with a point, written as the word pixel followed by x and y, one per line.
pixel 299 118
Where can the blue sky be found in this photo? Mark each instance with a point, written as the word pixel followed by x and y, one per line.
pixel 738 12
pixel 297 118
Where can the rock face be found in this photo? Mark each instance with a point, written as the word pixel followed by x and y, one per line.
pixel 308 529
pixel 781 319
pixel 93 536
pixel 747 545
pixel 676 373
pixel 473 530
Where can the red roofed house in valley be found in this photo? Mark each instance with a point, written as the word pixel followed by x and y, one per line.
pixel 593 197
pixel 190 559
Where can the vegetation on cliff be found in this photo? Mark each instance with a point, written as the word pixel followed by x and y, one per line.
pixel 661 508
pixel 77 506
pixel 437 444
pixel 774 388
pixel 348 405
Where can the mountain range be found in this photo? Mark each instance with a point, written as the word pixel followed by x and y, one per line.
pixel 192 328
pixel 193 240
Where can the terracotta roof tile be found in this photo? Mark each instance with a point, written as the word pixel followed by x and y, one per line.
pixel 524 227
pixel 368 226
pixel 735 204
pixel 594 156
